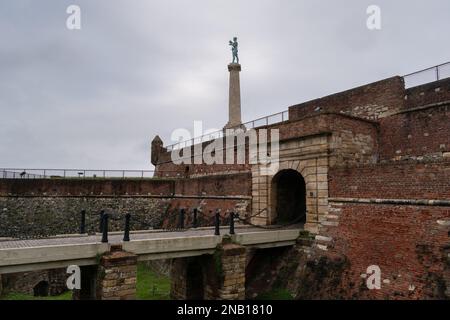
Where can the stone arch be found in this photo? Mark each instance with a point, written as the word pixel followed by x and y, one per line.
pixel 195 281
pixel 288 196
pixel 41 289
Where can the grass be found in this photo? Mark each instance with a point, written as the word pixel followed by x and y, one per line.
pixel 150 286
pixel 275 294
pixel 21 296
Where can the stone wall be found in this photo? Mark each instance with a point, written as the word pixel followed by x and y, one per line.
pixel 45 216
pixel 25 282
pixel 233 263
pixel 220 276
pixel 372 101
pixel 117 275
pixel 43 207
pixel 352 140
pixel 309 157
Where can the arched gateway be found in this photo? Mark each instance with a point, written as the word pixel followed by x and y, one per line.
pixel 288 197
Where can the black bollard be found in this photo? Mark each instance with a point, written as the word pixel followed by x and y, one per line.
pixel 83 222
pixel 231 222
pixel 195 222
pixel 105 228
pixel 102 213
pixel 181 221
pixel 217 223
pixel 126 235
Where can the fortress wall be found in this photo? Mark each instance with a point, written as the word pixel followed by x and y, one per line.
pixel 407 180
pixel 434 92
pixel 372 101
pixel 41 207
pixel 85 187
pixel 410 245
pixel 353 141
pixel 409 242
pixel 416 134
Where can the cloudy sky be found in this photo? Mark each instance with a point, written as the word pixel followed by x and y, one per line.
pixel 95 97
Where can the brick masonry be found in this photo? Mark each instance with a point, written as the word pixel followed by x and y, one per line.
pixel 372 101
pixel 25 282
pixel 221 276
pixel 117 275
pixel 408 243
pixel 375 142
pixel 233 260
pixel 395 180
pixel 35 207
pixel 368 146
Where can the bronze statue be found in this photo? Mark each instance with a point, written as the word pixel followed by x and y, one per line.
pixel 234 49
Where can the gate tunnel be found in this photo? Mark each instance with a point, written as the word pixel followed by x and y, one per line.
pixel 288 197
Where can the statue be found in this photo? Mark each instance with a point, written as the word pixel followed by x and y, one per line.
pixel 234 49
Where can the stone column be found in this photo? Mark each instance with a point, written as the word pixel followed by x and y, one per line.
pixel 178 279
pixel 232 284
pixel 1 285
pixel 234 102
pixel 116 278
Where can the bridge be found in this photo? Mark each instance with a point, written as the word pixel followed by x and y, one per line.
pixel 109 268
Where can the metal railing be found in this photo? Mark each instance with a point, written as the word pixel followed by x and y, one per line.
pixel 427 75
pixel 264 121
pixel 21 173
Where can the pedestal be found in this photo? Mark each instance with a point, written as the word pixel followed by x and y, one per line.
pixel 234 101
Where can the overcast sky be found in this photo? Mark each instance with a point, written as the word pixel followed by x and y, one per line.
pixel 96 97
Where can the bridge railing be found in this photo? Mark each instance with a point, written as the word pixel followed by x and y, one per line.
pixel 105 221
pixel 427 75
pixel 264 121
pixel 21 173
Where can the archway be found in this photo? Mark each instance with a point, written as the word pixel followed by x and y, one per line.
pixel 41 289
pixel 288 197
pixel 194 281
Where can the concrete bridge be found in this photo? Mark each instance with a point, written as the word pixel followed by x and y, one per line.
pixel 204 265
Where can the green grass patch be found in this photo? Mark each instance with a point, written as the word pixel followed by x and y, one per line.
pixel 276 294
pixel 21 296
pixel 150 285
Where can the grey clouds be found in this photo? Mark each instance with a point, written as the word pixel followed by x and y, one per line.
pixel 95 98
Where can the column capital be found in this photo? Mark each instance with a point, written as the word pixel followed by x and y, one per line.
pixel 234 67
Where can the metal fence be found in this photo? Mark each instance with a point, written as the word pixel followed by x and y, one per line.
pixel 265 121
pixel 427 75
pixel 20 173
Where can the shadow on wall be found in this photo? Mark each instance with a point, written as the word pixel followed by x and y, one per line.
pixel 289 197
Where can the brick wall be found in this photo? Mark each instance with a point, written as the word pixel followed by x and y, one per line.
pixel 85 187
pixel 372 101
pixel 416 134
pixel 392 181
pixel 434 92
pixel 117 275
pixel 408 243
